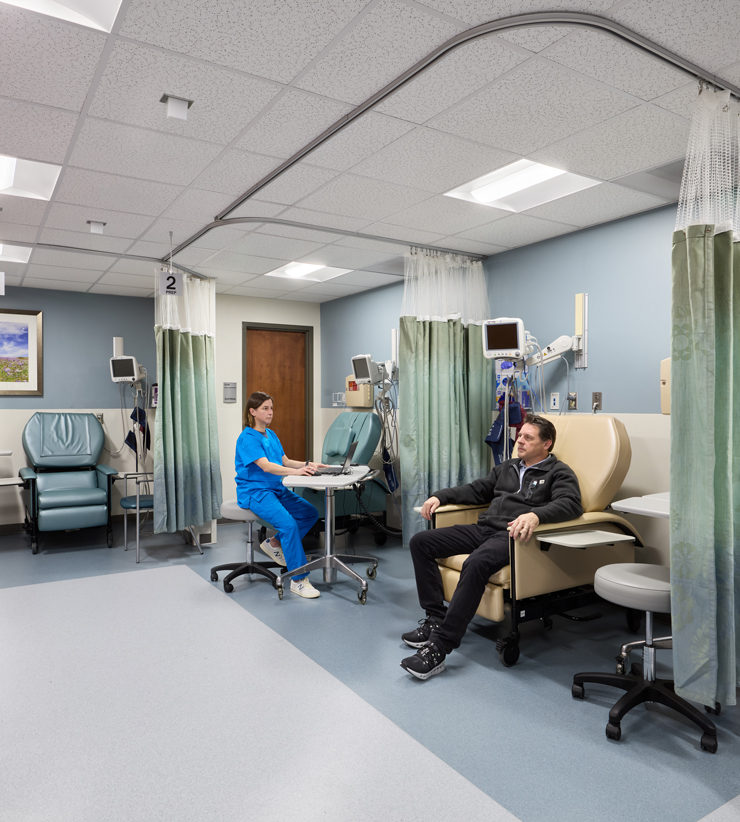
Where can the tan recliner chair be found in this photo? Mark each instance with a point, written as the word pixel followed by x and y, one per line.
pixel 544 577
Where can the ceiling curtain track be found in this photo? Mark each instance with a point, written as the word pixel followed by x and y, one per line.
pixel 570 19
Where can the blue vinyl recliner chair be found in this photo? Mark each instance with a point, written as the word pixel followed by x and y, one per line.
pixel 364 428
pixel 65 488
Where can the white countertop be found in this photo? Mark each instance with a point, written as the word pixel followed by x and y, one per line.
pixel 357 472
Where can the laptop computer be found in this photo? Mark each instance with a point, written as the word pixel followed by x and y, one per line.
pixel 336 470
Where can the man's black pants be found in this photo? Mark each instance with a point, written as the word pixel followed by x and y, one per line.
pixel 489 552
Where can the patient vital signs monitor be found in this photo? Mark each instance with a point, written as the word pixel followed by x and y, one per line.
pixel 124 369
pixel 504 339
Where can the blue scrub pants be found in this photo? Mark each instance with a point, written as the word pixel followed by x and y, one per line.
pixel 291 516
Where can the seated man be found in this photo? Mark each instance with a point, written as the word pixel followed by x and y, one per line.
pixel 535 488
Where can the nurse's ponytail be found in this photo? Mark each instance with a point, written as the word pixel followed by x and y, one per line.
pixel 255 400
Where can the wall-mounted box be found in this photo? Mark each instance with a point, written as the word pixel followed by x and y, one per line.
pixel 358 395
pixel 229 392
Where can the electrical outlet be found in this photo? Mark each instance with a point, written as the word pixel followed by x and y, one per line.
pixel 100 417
pixel 596 401
pixel 554 401
pixel 573 401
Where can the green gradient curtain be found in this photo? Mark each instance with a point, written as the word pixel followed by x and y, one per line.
pixel 705 465
pixel 187 473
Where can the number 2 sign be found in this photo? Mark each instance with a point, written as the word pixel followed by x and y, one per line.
pixel 171 283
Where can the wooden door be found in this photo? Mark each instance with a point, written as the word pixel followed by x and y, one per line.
pixel 276 365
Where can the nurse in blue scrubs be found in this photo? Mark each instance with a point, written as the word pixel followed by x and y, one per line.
pixel 260 466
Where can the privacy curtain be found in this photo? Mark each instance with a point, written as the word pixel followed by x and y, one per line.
pixel 187 472
pixel 705 413
pixel 445 381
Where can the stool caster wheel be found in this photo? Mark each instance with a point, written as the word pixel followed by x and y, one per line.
pixel 214 576
pixel 621 666
pixel 372 572
pixel 577 691
pixel 228 587
pixel 613 732
pixel 110 541
pixel 34 547
pixel 508 651
pixel 709 743
pixel 380 539
pixel 717 710
pixel 362 596
pixel 280 591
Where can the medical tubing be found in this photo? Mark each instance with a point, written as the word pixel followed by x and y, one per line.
pixel 123 425
pixel 392 532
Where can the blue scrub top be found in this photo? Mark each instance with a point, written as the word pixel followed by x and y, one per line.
pixel 250 478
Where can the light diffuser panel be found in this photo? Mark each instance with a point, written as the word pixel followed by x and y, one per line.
pixel 27 178
pixel 95 14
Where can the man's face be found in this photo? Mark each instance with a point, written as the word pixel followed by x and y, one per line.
pixel 529 446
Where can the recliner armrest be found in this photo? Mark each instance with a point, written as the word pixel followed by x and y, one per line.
pixel 28 474
pixel 106 469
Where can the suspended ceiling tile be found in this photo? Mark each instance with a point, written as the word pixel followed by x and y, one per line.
pixel 53 272
pixel 294 120
pixel 516 230
pixel 278 285
pixel 367 279
pixel 118 223
pixel 14 269
pixel 304 297
pixel 254 207
pixel 372 245
pixel 134 152
pixel 257 293
pixel 43 60
pixel 15 281
pixel 147 249
pixel 536 38
pixel 143 268
pixel 339 257
pixel 470 246
pixel 222 288
pixel 433 161
pixel 136 77
pixel 307 234
pixel 617 64
pixel 230 261
pixel 730 73
pixel 70 259
pixel 55 285
pixel 274 40
pixel 705 33
pixel 363 198
pixel 320 218
pixel 639 139
pixel 198 205
pixel 13 232
pixel 366 135
pixel 122 290
pixel 408 235
pixel 97 190
pixel 476 12
pixel 129 280
pixel 218 238
pixel 446 215
pixel 35 132
pixel 599 204
pixel 386 41
pixel 296 183
pixel 191 256
pixel 455 76
pixel 532 106
pixel 681 102
pixel 21 210
pixel 333 289
pixel 181 230
pixel 234 172
pixel 263 245
pixel 78 239
pixel 395 266
pixel 227 278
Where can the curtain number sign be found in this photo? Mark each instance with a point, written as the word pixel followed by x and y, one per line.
pixel 170 283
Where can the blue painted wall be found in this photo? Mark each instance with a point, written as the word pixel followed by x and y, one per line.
pixel 78 344
pixel 624 266
pixel 360 324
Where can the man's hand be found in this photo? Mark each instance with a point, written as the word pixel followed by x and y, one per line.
pixel 522 527
pixel 429 507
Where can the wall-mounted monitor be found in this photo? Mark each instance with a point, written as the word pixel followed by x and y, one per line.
pixel 124 369
pixel 503 339
pixel 365 370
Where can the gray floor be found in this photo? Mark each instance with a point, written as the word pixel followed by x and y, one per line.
pixel 515 733
pixel 153 696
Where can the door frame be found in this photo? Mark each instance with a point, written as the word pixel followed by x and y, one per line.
pixel 304 329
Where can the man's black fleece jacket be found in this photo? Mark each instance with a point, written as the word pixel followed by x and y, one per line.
pixel 550 490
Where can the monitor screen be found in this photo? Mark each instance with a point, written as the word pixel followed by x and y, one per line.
pixel 502 337
pixel 123 368
pixel 359 366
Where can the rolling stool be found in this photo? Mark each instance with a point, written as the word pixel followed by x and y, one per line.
pixel 643 588
pixel 231 510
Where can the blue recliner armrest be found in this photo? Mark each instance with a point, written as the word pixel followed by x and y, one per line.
pixel 28 474
pixel 106 470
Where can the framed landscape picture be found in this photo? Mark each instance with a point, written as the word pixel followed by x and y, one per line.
pixel 21 353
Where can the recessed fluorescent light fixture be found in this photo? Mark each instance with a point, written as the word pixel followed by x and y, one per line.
pixel 14 253
pixel 27 178
pixel 95 14
pixel 177 107
pixel 521 185
pixel 308 271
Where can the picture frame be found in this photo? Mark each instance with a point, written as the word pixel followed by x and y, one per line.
pixel 21 353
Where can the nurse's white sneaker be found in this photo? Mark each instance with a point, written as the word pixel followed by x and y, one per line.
pixel 303 588
pixel 275 554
